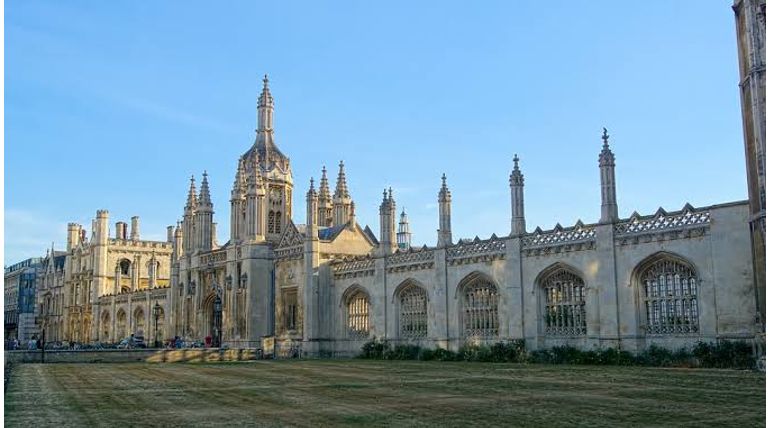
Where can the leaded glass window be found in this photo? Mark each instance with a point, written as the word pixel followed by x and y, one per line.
pixel 479 310
pixel 271 222
pixel 670 297
pixel 358 316
pixel 413 312
pixel 565 304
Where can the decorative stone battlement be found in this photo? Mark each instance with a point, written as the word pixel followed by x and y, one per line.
pixel 405 260
pixel 661 220
pixel 685 223
pixel 214 257
pixel 145 244
pixel 559 239
pixel 155 292
pixel 477 251
pixel 359 266
pixel 290 253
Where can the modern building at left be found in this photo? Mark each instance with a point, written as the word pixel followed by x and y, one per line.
pixel 19 290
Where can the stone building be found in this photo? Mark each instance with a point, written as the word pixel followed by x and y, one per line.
pixel 326 286
pixel 20 281
pixel 50 295
pixel 111 284
pixel 750 26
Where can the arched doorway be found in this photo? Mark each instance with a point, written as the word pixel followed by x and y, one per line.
pixel 105 330
pixel 139 324
pixel 212 319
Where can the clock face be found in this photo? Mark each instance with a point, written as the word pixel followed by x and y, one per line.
pixel 275 194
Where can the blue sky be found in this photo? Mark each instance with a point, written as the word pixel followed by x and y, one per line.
pixel 115 104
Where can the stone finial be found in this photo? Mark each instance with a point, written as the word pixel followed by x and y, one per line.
pixel 444 194
pixel 606 157
pixel 205 195
pixel 192 198
pixel 323 187
pixel 265 98
pixel 516 178
pixel 311 193
pixel 605 138
pixel 341 190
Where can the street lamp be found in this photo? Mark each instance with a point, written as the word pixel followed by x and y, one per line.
pixel 156 311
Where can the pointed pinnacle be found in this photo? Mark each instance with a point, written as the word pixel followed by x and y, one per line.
pixel 605 137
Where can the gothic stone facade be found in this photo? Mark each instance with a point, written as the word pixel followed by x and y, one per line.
pixel 110 285
pixel 670 278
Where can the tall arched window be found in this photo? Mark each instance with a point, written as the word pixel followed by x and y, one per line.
pixel 271 222
pixel 479 308
pixel 358 315
pixel 139 322
pixel 669 293
pixel 277 222
pixel 565 304
pixel 413 312
pixel 121 325
pixel 105 326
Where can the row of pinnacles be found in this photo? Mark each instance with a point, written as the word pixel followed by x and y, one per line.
pixel 389 242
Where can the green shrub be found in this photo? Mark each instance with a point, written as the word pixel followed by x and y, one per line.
pixel 441 354
pixel 511 352
pixel 402 352
pixel 725 354
pixel 722 354
pixel 614 357
pixel 374 349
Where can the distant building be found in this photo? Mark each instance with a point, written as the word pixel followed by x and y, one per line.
pixel 19 286
pixel 110 284
pixel 50 295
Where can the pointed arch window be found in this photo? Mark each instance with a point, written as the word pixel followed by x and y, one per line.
pixel 358 315
pixel 564 304
pixel 125 267
pixel 669 290
pixel 277 222
pixel 271 222
pixel 413 312
pixel 479 309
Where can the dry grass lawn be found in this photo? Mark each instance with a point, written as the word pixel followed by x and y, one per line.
pixel 379 393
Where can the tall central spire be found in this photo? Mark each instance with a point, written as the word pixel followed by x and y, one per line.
pixel 265 108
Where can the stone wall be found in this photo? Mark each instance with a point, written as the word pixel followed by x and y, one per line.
pixel 134 355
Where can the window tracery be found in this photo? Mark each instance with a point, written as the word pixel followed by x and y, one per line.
pixel 565 304
pixel 413 313
pixel 669 292
pixel 479 309
pixel 358 315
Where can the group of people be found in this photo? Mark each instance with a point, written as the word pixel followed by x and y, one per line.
pixel 14 344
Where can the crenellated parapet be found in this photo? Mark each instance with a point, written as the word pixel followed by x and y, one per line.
pixel 410 260
pixel 685 223
pixel 353 268
pixel 214 258
pixel 476 251
pixel 559 239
